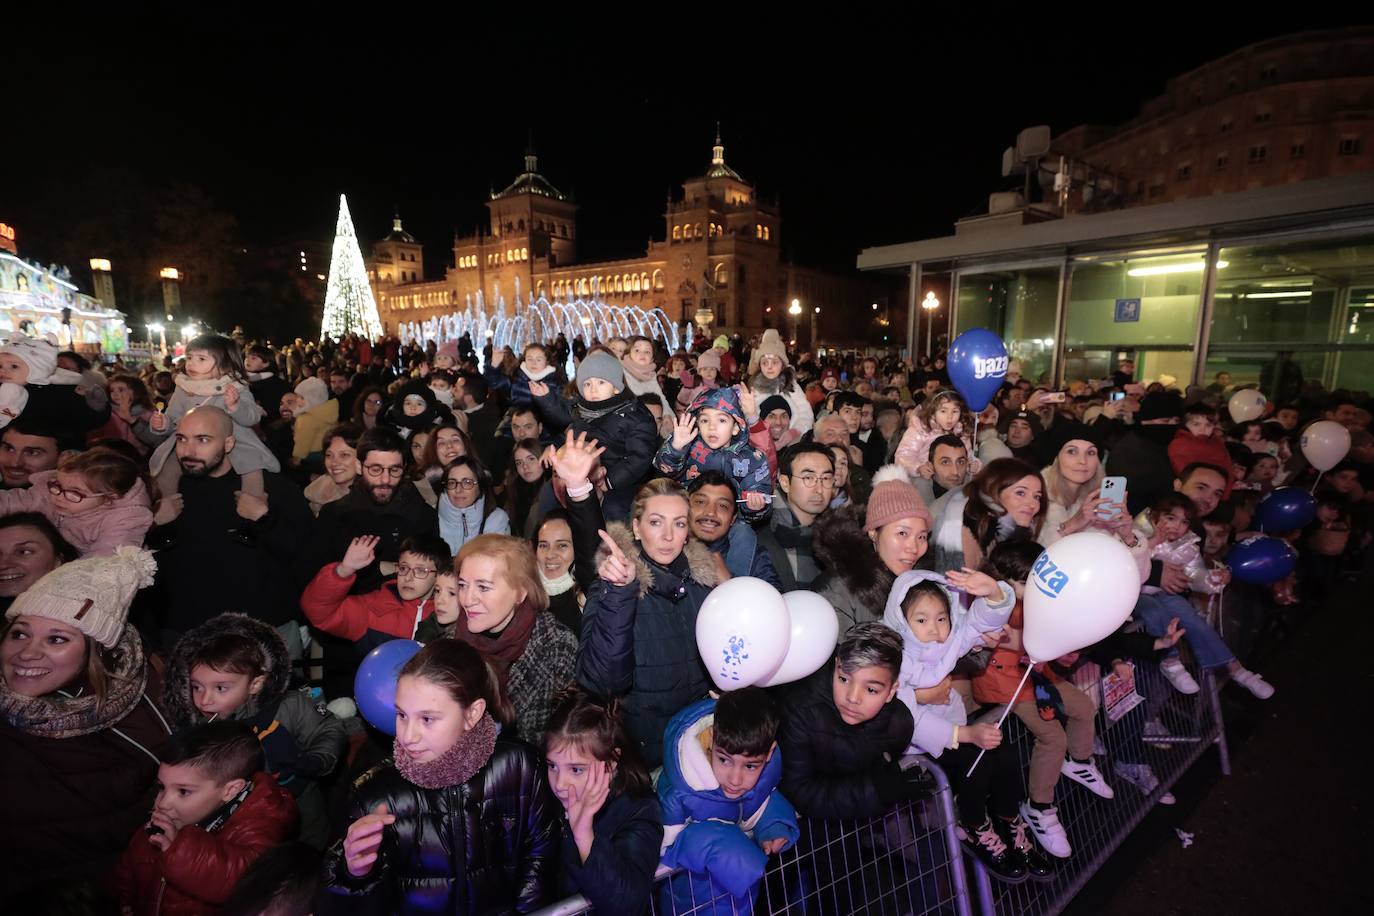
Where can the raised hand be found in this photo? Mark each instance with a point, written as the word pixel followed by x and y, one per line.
pixel 359 555
pixel 977 584
pixel 158 422
pixel 748 403
pixel 684 431
pixel 755 502
pixel 538 389
pixel 591 798
pixel 364 838
pixel 573 463
pixel 231 396
pixel 615 568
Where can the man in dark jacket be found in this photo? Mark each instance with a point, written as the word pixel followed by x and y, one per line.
pixel 806 477
pixel 381 504
pixel 484 416
pixel 1142 455
pixel 264 381
pixel 711 517
pixel 228 550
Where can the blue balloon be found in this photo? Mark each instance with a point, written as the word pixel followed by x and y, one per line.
pixel 374 686
pixel 977 366
pixel 1286 509
pixel 1261 560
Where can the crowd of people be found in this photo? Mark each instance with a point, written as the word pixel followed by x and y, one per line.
pixel 196 556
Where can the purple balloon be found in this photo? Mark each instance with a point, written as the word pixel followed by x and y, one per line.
pixel 374 686
pixel 1261 560
pixel 977 366
pixel 1286 509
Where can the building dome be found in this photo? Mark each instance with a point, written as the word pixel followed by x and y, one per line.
pixel 531 182
pixel 398 234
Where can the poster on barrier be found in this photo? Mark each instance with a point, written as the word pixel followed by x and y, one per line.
pixel 1119 695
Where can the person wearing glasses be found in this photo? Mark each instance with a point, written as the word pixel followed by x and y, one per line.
pixel 394 611
pixel 466 507
pixel 806 477
pixel 381 503
pixel 98 498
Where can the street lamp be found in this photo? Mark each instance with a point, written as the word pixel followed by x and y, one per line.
pixel 161 331
pixel 930 303
pixel 795 311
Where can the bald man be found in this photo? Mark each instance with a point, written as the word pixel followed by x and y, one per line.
pixel 223 549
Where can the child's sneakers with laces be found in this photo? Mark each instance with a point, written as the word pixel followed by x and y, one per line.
pixel 1016 834
pixel 1087 774
pixel 987 846
pixel 1049 833
pixel 1173 670
pixel 1253 683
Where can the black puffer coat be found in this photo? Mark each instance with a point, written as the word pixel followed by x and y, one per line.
pixel 639 640
pixel 829 767
pixel 855 581
pixel 489 845
pixel 622 425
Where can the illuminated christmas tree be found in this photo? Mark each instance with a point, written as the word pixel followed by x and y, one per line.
pixel 348 304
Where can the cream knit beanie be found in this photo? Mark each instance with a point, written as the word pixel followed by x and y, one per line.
pixel 91 594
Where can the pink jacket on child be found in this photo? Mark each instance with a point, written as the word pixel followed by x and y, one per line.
pixel 914 449
pixel 96 533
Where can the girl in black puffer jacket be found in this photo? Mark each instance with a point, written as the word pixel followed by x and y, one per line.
pixel 461 820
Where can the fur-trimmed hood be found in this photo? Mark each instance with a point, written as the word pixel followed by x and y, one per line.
pixel 845 551
pixel 176 687
pixel 762 386
pixel 700 566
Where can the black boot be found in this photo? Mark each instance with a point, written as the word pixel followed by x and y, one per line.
pixel 1016 834
pixel 984 843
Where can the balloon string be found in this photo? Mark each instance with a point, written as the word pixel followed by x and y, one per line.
pixel 1015 693
pixel 1317 481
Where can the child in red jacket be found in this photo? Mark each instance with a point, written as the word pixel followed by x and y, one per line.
pixel 1199 442
pixel 216 812
pixel 392 611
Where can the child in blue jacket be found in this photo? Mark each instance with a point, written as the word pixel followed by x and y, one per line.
pixel 713 435
pixel 723 815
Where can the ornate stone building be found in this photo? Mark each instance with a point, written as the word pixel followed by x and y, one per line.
pixel 718 264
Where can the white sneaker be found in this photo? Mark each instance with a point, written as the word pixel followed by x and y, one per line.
pixel 1253 683
pixel 1166 799
pixel 1087 774
pixel 1178 675
pixel 1143 778
pixel 1044 823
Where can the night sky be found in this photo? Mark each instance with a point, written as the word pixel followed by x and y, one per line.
pixel 867 141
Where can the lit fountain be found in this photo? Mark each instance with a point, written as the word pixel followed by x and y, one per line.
pixel 542 320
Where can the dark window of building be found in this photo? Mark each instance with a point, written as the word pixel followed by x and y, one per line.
pixel 1185 171
pixel 1351 146
pixel 741 273
pixel 1223 160
pixel 1269 71
pixel 1226 125
pixel 1297 151
pixel 1156 190
pixel 1263 117
pixel 1258 152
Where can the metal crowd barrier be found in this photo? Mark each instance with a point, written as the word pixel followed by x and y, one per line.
pixel 1097 826
pixel 911 862
pixel 907 862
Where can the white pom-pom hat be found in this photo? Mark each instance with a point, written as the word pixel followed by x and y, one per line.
pixel 91 595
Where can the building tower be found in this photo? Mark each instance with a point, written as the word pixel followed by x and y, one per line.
pixel 398 258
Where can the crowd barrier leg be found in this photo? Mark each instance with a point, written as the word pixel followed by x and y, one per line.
pixel 1213 689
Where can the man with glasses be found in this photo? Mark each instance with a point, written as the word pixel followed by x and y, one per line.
pixel 806 476
pixel 382 503
pixel 393 611
pixel 225 549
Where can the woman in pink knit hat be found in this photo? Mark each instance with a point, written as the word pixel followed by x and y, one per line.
pixel 864 548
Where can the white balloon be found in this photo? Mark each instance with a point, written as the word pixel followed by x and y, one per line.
pixel 1325 443
pixel 1080 590
pixel 1246 404
pixel 742 632
pixel 815 631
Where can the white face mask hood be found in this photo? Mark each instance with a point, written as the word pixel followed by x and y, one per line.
pixel 445 396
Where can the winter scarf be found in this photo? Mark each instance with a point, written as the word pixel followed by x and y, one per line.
pixel 635 372
pixel 537 375
pixel 557 586
pixel 500 649
pixel 59 716
pixel 454 766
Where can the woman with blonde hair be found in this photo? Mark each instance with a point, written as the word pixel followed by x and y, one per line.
pixel 496 604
